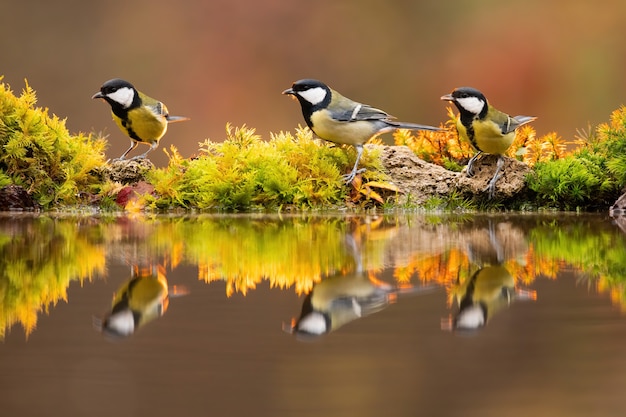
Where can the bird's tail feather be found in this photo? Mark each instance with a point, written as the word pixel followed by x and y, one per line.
pixel 414 126
pixel 522 120
pixel 172 119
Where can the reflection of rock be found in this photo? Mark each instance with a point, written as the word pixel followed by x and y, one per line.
pixel 422 180
pixel 620 221
pixel 420 239
pixel 491 241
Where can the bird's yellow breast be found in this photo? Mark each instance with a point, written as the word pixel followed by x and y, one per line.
pixel 487 137
pixel 354 285
pixel 348 133
pixel 142 125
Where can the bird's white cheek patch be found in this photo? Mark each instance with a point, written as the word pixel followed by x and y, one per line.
pixel 314 323
pixel 124 96
pixel 473 105
pixel 313 95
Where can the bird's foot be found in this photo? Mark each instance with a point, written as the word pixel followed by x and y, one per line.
pixel 349 177
pixel 134 158
pixel 470 165
pixel 491 187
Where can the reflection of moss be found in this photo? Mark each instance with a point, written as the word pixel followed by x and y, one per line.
pixel 596 251
pixel 244 251
pixel 39 154
pixel 38 260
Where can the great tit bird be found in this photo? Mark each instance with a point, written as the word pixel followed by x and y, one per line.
pixel 491 287
pixel 338 119
pixel 486 292
pixel 486 128
pixel 138 301
pixel 344 297
pixel 142 118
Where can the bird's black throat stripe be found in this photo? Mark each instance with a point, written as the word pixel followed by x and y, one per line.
pixel 466 121
pixel 308 109
pixel 128 126
pixel 122 114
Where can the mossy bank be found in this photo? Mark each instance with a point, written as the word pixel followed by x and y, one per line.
pixel 45 167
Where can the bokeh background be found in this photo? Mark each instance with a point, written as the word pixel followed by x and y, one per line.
pixel 225 61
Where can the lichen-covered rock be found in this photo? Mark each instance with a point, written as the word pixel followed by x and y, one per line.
pixel 127 171
pixel 419 180
pixel 511 182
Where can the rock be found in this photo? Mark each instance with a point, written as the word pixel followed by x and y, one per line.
pixel 14 197
pixel 419 180
pixel 127 171
pixel 512 179
pixel 619 208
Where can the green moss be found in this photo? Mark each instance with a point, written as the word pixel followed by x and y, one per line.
pixel 38 153
pixel 592 176
pixel 244 172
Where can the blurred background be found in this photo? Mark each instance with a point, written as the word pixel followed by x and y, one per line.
pixel 229 60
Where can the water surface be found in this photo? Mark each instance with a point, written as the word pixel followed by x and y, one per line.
pixel 347 315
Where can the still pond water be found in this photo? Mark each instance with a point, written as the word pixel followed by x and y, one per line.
pixel 351 315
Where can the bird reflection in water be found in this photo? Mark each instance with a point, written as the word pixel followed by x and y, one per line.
pixel 138 301
pixel 488 290
pixel 344 297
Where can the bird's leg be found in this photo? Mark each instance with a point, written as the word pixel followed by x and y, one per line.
pixel 349 177
pixel 133 145
pixel 470 164
pixel 143 155
pixel 492 184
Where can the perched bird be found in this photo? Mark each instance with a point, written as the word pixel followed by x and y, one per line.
pixel 142 118
pixel 338 119
pixel 487 129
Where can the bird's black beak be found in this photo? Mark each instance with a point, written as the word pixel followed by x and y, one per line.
pixel 98 95
pixel 289 91
pixel 447 97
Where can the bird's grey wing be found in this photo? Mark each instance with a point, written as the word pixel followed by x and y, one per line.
pixel 361 112
pixel 513 123
pixel 159 109
pixel 156 107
